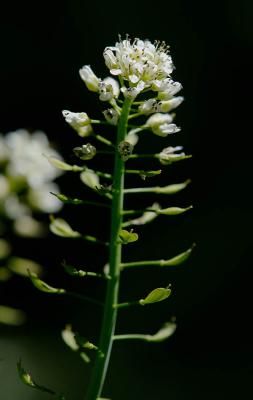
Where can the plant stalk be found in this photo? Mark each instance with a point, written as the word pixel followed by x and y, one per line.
pixel 110 312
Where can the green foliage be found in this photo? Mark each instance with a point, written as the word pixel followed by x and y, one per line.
pixel 26 378
pixel 43 286
pixel 128 237
pixel 60 227
pixel 157 295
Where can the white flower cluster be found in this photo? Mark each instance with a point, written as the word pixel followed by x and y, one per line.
pixel 26 177
pixel 140 66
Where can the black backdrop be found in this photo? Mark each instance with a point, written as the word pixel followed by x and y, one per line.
pixel 42 47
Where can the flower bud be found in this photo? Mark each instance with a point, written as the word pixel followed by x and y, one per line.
pixel 168 105
pixel 85 152
pixel 168 155
pixel 90 179
pixel 161 124
pixel 133 91
pixel 111 116
pixel 111 62
pixel 89 78
pixel 125 150
pixel 78 121
pixel 108 89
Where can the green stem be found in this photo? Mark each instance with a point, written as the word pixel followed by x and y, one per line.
pixel 127 304
pixel 84 298
pixel 144 156
pixel 110 313
pixel 103 140
pixel 131 336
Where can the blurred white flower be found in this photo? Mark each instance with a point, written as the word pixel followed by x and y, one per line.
pixel 26 179
pixel 42 200
pixel 25 157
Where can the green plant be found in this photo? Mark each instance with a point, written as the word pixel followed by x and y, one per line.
pixel 141 68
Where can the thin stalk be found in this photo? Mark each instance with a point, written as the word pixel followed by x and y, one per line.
pixel 132 212
pixel 144 156
pixel 131 336
pixel 93 240
pixel 127 304
pixel 158 263
pixel 110 313
pixel 103 140
pixel 84 298
pixel 152 189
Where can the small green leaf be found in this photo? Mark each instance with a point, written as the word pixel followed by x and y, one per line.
pixel 60 227
pixel 24 376
pixel 173 210
pixel 128 237
pixel 145 218
pixel 172 189
pixel 149 174
pixel 158 294
pixel 43 286
pixel 57 163
pixel 179 259
pixel 73 271
pixel 27 380
pixel 164 333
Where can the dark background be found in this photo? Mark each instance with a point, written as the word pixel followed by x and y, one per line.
pixel 42 47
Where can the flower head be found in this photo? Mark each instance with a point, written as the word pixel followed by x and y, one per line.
pixel 139 61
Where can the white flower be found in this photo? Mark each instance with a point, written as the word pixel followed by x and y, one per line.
pixel 42 200
pixel 108 89
pixel 161 124
pixel 169 154
pixel 132 137
pixel 78 121
pixel 4 187
pixel 13 208
pixel 149 106
pixel 89 78
pixel 152 105
pixel 139 61
pixel 27 226
pixel 132 91
pixel 4 152
pixel 168 105
pixel 167 86
pixel 111 116
pixel 26 161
